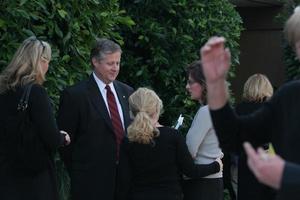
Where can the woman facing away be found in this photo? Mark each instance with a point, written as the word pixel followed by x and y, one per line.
pixel 28 66
pixel 257 90
pixel 153 157
pixel 202 141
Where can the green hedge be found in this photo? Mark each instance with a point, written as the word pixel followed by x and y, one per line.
pixel 69 26
pixel 166 38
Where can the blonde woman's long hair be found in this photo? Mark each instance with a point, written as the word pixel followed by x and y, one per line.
pixel 257 88
pixel 144 105
pixel 25 66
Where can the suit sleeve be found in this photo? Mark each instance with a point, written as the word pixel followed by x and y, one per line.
pixel 186 162
pixel 255 127
pixel 43 117
pixel 290 183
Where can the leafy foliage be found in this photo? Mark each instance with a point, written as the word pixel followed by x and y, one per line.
pixel 69 26
pixel 166 38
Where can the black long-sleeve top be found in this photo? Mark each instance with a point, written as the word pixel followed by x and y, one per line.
pixel 27 186
pixel 246 178
pixel 277 121
pixel 154 170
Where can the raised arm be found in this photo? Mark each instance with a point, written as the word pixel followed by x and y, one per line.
pixel 216 63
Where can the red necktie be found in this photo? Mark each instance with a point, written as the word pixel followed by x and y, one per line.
pixel 115 117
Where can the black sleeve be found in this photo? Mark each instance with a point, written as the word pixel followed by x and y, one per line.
pixel 42 115
pixel 68 120
pixel 290 183
pixel 255 127
pixel 186 162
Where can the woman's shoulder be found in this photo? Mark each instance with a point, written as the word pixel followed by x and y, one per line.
pixel 168 132
pixel 38 90
pixel 167 129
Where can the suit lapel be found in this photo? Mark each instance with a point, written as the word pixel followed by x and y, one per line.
pixel 98 101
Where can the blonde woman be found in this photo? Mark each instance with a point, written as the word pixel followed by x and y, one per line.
pixel 257 90
pixel 154 155
pixel 29 65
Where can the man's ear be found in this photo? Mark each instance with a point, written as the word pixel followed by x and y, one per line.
pixel 94 62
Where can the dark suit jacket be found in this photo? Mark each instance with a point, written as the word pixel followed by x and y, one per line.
pixel 91 157
pixel 290 183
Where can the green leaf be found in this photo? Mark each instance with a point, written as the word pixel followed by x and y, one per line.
pixel 2 23
pixel 62 13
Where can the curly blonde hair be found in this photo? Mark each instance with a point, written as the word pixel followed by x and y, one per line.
pixel 257 88
pixel 25 66
pixel 144 105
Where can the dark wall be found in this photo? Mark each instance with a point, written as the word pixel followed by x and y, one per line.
pixel 261 47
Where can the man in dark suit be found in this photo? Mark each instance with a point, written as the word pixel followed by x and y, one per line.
pixel 95 113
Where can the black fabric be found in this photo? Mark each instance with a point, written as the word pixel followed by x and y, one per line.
pixel 276 121
pixel 227 175
pixel 155 169
pixel 30 154
pixel 22 184
pixel 203 188
pixel 92 156
pixel 246 178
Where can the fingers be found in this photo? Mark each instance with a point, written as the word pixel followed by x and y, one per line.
pixel 253 158
pixel 249 150
pixel 220 163
pixel 213 42
pixel 67 137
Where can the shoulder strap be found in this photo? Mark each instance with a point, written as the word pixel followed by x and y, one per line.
pixel 23 103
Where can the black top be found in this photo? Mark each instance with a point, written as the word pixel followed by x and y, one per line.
pixel 156 168
pixel 28 186
pixel 276 121
pixel 246 178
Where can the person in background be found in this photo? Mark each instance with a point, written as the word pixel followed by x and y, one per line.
pixel 276 121
pixel 202 141
pixel 156 155
pixel 257 90
pixel 29 65
pixel 96 114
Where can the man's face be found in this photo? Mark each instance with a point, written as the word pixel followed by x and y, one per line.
pixel 108 68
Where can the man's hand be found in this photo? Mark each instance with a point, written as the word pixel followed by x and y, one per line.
pixel 267 168
pixel 215 59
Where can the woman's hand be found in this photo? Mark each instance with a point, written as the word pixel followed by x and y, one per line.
pixel 67 139
pixel 220 163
